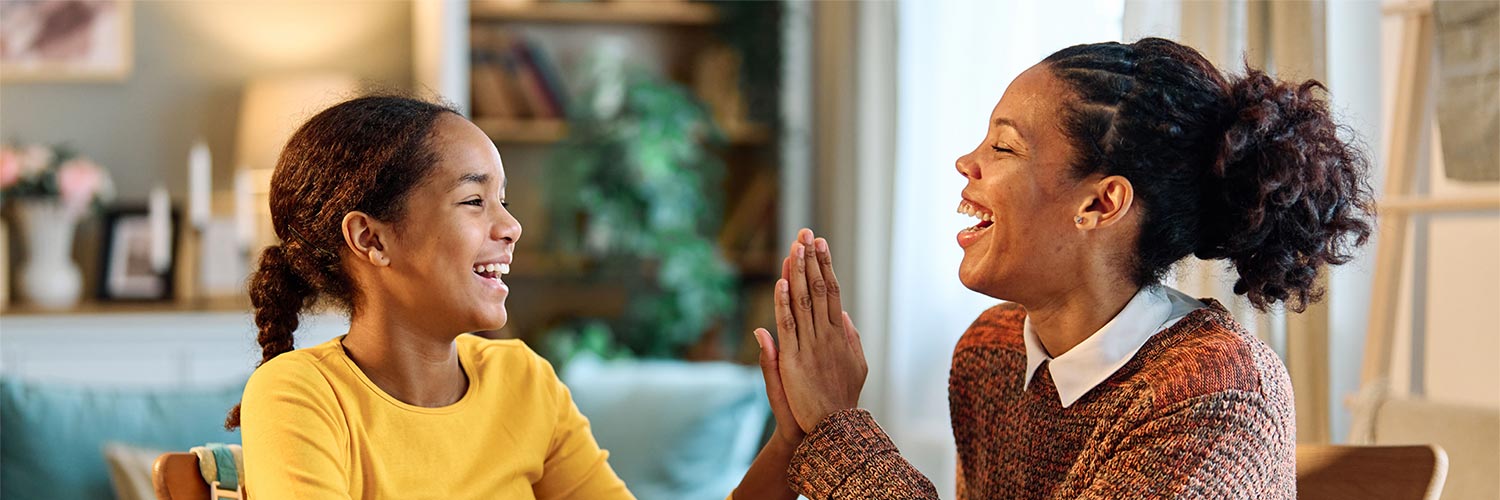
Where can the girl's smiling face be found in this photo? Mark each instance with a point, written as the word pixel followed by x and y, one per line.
pixel 448 253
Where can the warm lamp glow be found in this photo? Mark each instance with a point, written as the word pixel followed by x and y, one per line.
pixel 272 108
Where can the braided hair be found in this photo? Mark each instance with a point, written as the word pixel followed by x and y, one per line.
pixel 1248 169
pixel 366 154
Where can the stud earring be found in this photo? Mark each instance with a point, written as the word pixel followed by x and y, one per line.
pixel 1078 219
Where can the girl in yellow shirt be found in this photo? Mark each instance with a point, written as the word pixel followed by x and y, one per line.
pixel 394 209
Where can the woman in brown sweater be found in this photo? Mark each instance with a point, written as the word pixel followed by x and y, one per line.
pixel 1102 166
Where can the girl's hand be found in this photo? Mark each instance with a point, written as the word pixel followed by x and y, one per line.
pixel 820 358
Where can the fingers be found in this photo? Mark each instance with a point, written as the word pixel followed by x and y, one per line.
pixel 772 373
pixel 855 343
pixel 786 324
pixel 786 264
pixel 835 303
pixel 801 298
pixel 817 287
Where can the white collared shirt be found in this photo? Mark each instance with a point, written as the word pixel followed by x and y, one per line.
pixel 1086 365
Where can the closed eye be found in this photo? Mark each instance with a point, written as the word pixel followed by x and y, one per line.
pixel 999 149
pixel 479 202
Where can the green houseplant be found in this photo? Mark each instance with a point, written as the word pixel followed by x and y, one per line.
pixel 638 174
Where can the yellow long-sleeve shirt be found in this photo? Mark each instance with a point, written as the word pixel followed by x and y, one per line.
pixel 315 427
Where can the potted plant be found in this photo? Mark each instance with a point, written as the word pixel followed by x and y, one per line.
pixel 638 171
pixel 51 188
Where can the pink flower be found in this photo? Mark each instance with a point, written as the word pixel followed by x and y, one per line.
pixel 10 168
pixel 78 181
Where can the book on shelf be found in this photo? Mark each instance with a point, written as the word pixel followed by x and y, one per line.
pixel 513 78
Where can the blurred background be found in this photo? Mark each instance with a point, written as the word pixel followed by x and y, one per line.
pixel 662 155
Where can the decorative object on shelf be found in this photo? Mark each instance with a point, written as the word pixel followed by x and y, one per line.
pixel 138 253
pixel 637 169
pixel 65 40
pixel 51 188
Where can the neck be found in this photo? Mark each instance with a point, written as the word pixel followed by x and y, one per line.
pixel 1065 319
pixel 409 363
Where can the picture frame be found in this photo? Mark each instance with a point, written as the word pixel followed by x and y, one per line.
pixel 66 40
pixel 126 268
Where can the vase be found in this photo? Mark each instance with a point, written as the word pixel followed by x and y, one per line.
pixel 49 277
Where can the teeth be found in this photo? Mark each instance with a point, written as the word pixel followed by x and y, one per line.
pixel 492 269
pixel 970 210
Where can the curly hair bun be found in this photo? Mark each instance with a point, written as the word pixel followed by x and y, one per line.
pixel 1286 195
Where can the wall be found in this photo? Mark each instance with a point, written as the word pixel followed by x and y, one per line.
pixel 191 60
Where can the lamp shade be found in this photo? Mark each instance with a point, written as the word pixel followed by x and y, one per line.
pixel 272 108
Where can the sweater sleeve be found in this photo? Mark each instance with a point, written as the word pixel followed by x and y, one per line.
pixel 575 467
pixel 295 439
pixel 848 456
pixel 1226 445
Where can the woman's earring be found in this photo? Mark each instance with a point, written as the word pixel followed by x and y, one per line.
pixel 1078 219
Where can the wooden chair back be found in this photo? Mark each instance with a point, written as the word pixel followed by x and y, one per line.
pixel 1327 472
pixel 175 476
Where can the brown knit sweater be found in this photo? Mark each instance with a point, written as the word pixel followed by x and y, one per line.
pixel 1204 410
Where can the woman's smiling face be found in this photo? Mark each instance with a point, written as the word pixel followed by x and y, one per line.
pixel 455 240
pixel 1021 190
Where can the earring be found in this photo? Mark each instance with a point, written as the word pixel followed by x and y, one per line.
pixel 1078 219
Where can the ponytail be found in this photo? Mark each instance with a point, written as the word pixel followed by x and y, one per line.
pixel 1286 195
pixel 278 295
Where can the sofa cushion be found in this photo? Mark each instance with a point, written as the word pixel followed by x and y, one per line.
pixel 674 430
pixel 130 470
pixel 53 434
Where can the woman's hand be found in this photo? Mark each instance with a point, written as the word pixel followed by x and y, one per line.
pixel 788 433
pixel 820 359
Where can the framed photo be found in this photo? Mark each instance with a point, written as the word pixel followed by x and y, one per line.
pixel 137 260
pixel 65 40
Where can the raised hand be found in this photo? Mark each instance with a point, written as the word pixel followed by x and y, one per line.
pixel 820 359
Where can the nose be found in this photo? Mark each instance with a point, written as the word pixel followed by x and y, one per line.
pixel 966 167
pixel 506 227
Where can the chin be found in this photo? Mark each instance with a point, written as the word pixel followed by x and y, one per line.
pixel 492 320
pixel 978 279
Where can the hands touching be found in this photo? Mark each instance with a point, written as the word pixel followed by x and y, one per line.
pixel 818 366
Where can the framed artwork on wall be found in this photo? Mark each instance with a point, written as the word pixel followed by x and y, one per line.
pixel 65 40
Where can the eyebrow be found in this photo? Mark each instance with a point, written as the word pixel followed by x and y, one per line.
pixel 477 178
pixel 1010 123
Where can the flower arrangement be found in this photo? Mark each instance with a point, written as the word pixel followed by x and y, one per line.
pixel 45 172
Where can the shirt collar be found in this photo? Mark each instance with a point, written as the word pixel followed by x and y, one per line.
pixel 1086 365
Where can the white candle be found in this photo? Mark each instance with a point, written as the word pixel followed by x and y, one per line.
pixel 159 216
pixel 200 184
pixel 244 208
